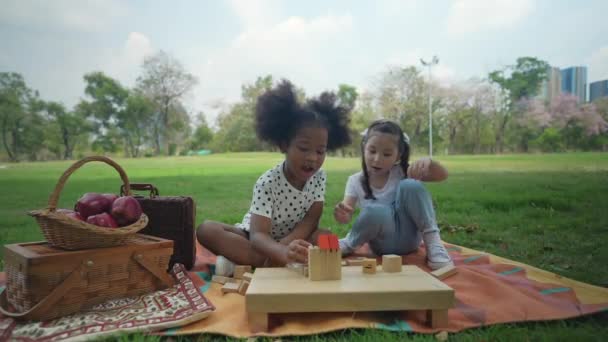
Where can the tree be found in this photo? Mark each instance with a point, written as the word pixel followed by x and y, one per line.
pixel 401 95
pixel 454 115
pixel 21 125
pixel 108 99
pixel 519 81
pixel 134 122
pixel 348 95
pixel 236 124
pixel 202 134
pixel 65 127
pixel 577 123
pixel 165 82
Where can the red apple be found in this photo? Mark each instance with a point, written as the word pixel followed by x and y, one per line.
pixel 92 204
pixel 126 210
pixel 102 220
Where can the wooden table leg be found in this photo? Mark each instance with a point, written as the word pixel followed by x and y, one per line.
pixel 437 318
pixel 258 321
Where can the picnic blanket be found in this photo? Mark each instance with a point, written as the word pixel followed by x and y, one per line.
pixel 179 305
pixel 489 290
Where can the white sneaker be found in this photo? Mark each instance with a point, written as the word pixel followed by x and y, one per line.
pixel 437 256
pixel 223 266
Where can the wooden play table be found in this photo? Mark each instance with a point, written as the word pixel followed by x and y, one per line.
pixel 277 290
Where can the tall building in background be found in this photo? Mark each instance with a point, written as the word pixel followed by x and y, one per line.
pixel 552 85
pixel 574 81
pixel 598 89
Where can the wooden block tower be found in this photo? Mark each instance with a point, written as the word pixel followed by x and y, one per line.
pixel 325 259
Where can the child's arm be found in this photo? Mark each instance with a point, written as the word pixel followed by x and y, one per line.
pixel 307 226
pixel 427 170
pixel 295 251
pixel 343 211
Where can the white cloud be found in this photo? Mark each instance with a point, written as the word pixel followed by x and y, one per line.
pixel 292 48
pixel 470 16
pixel 255 13
pixel 82 15
pixel 598 65
pixel 125 64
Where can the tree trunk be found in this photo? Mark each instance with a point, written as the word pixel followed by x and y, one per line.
pixel 5 132
pixel 500 134
pixel 67 153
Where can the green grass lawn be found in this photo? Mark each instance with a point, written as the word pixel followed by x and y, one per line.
pixel 550 211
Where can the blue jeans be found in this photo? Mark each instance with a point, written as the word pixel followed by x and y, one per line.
pixel 395 228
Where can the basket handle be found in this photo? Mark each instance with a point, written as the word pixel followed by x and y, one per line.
pixel 43 306
pixel 141 187
pixel 54 198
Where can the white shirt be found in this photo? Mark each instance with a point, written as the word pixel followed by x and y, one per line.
pixel 275 198
pixel 386 195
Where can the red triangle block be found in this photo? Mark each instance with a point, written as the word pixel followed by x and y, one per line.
pixel 333 242
pixel 323 241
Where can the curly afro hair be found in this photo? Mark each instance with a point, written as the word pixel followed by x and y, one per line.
pixel 279 116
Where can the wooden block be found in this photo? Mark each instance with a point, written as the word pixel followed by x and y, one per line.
pixel 243 287
pixel 230 288
pixel 369 266
pixel 314 264
pixel 334 267
pixel 323 241
pixel 247 276
pixel 391 263
pixel 220 279
pixel 344 263
pixel 355 261
pixel 445 272
pixel 239 270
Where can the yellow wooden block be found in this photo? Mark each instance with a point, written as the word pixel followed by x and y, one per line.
pixel 444 272
pixel 230 288
pixel 220 279
pixel 243 287
pixel 247 276
pixel 239 270
pixel 391 263
pixel 369 266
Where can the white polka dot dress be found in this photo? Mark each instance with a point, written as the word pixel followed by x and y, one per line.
pixel 275 198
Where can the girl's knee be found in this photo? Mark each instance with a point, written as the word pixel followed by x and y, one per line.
pixel 204 230
pixel 411 186
pixel 375 214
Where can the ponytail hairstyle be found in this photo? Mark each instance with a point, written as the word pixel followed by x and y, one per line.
pixel 389 127
pixel 279 116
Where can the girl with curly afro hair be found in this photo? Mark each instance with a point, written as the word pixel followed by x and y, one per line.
pixel 288 199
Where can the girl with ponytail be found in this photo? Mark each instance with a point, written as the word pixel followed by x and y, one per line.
pixel 396 210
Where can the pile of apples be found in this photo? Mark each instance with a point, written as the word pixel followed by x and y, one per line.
pixel 105 210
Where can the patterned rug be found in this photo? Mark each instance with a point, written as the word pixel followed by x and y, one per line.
pixel 179 305
pixel 489 290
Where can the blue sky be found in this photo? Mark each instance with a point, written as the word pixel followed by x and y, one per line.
pixel 316 44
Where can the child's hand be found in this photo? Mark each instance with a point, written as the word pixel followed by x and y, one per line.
pixel 419 169
pixel 297 251
pixel 343 212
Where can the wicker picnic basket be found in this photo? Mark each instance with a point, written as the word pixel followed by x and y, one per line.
pixel 45 282
pixel 65 232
